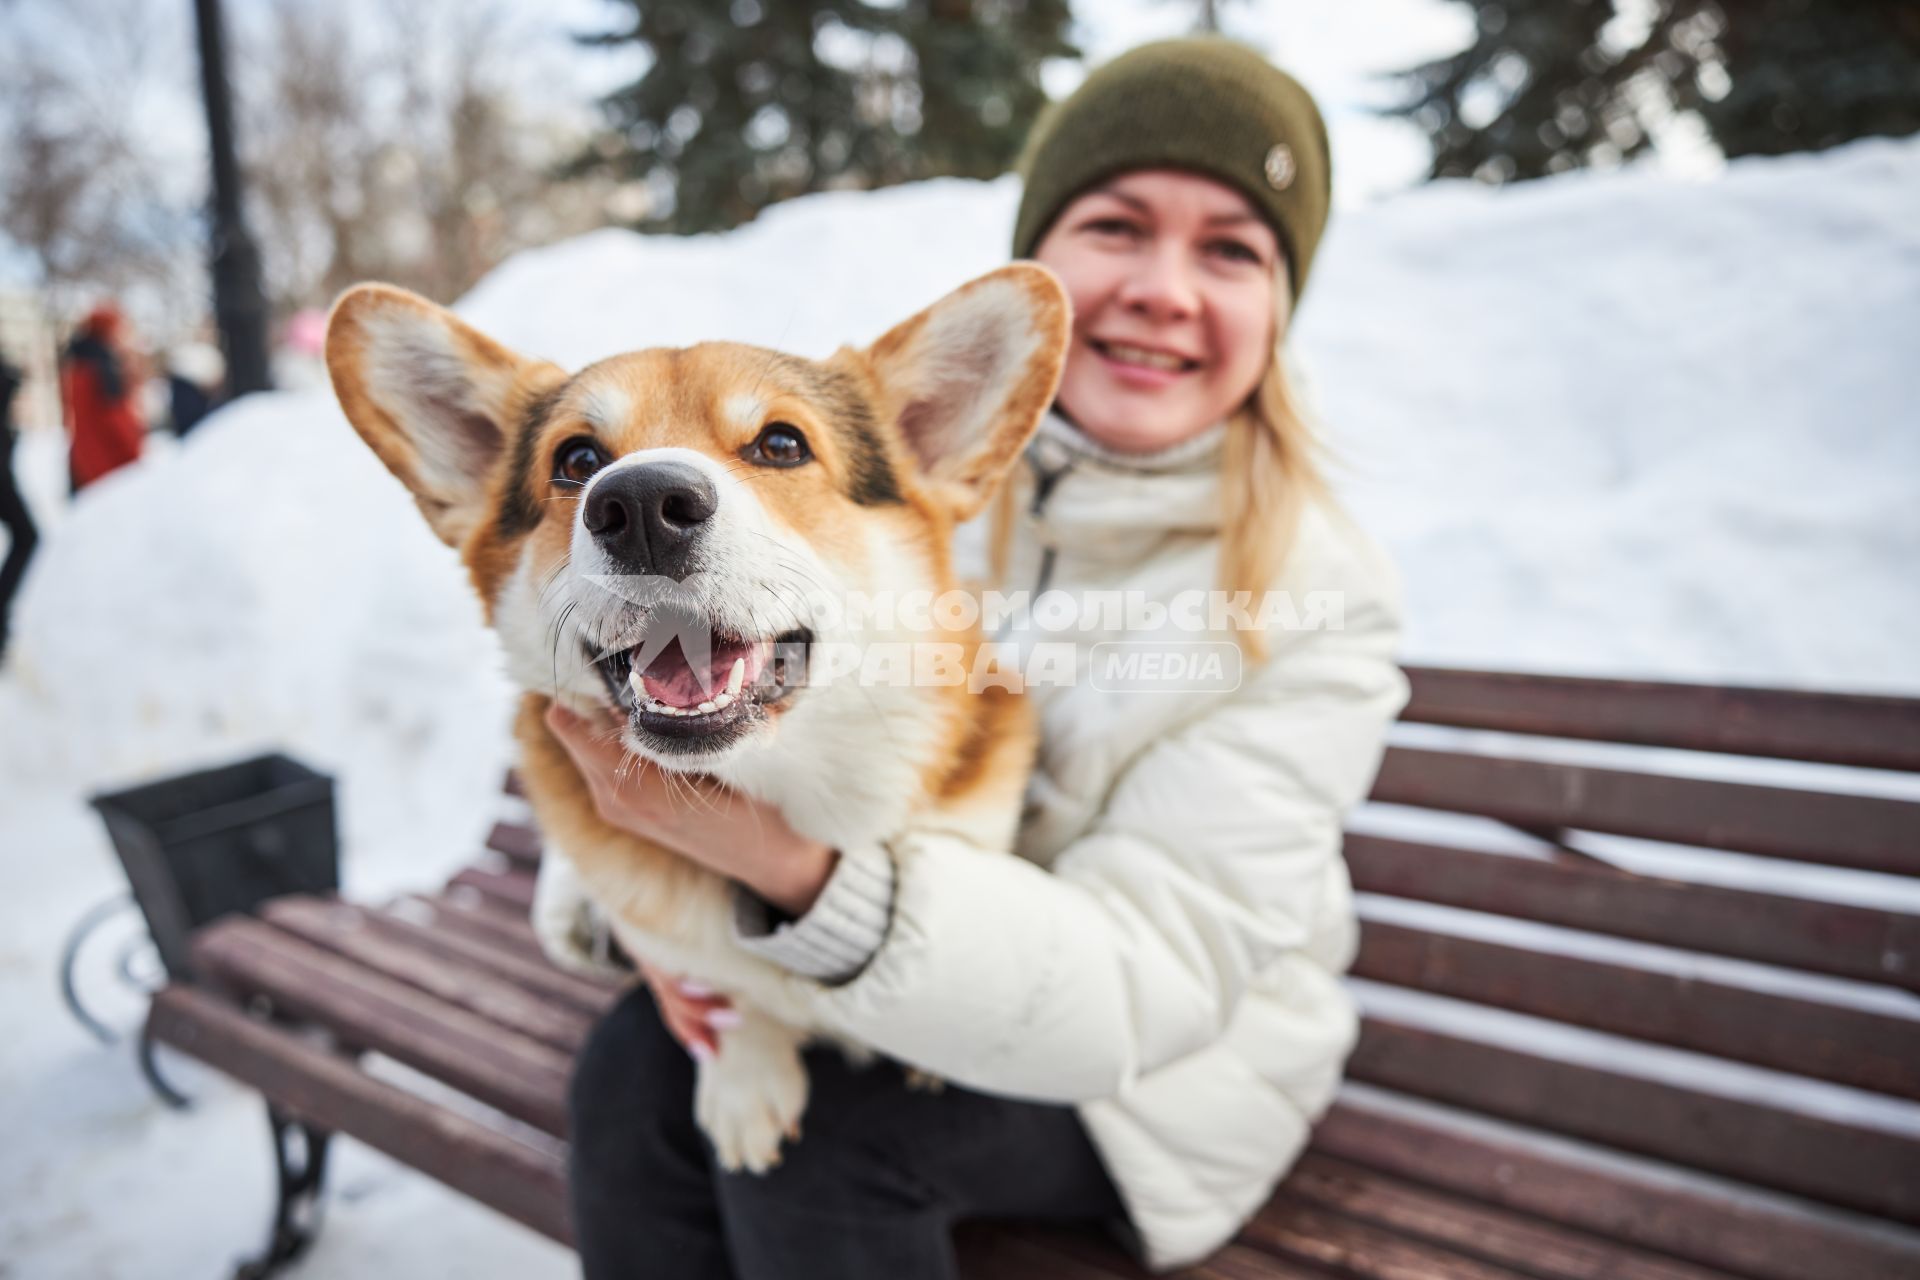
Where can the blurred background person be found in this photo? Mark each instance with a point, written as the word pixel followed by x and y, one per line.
pixel 98 387
pixel 297 358
pixel 13 508
pixel 196 374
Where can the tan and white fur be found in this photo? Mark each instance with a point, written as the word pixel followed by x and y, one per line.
pixel 528 472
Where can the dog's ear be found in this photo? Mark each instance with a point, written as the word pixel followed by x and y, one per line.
pixel 971 377
pixel 438 401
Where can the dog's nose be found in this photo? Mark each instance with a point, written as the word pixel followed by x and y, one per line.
pixel 648 517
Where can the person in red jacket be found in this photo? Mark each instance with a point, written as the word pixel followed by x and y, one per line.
pixel 99 392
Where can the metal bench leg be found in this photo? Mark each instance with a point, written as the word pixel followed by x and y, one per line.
pixel 150 1068
pixel 300 1157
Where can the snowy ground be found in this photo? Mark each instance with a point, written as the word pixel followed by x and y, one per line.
pixel 1614 424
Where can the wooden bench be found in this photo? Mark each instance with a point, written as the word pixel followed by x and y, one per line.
pixel 1569 1068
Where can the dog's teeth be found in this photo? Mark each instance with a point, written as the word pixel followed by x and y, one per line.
pixel 735 678
pixel 706 707
pixel 638 685
pixel 724 700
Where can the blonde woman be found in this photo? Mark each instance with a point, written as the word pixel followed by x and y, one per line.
pixel 1142 1014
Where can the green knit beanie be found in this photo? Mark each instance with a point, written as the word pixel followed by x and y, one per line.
pixel 1208 105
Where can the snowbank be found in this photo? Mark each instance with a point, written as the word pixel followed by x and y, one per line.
pixel 1629 425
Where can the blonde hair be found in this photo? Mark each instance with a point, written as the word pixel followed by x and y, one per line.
pixel 1271 470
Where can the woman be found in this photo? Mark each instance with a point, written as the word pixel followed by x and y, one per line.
pixel 1156 978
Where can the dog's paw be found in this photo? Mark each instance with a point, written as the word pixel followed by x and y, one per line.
pixel 750 1097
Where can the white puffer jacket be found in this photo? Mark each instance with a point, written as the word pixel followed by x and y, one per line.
pixel 1174 969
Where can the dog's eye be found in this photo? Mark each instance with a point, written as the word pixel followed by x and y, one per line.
pixel 577 460
pixel 779 444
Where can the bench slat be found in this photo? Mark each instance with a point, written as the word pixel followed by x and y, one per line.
pixel 1849 729
pixel 445 936
pixel 1238 1262
pixel 504 1069
pixel 1294 1229
pixel 1025 1251
pixel 1546 1250
pixel 1803 1037
pixel 469 912
pixel 1869 833
pixel 519 844
pixel 1885 946
pixel 1820 937
pixel 330 1092
pixel 1859 1168
pixel 346 931
pixel 1620 1198
pixel 513 889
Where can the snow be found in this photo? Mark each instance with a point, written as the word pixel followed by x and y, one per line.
pixel 1606 423
pixel 1670 425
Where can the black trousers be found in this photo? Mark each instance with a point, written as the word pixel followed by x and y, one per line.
pixel 21 540
pixel 872 1189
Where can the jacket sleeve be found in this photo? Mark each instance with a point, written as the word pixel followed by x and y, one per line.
pixel 1209 861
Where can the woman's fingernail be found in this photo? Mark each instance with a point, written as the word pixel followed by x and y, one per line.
pixel 723 1019
pixel 701 1051
pixel 695 990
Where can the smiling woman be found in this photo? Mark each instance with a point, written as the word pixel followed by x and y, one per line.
pixel 1140 1015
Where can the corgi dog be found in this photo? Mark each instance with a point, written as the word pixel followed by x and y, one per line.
pixel 646 536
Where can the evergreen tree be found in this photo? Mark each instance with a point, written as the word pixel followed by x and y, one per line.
pixel 1549 85
pixel 747 105
pixel 1804 75
pixel 978 64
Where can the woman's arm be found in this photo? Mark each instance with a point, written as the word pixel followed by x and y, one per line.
pixel 1209 862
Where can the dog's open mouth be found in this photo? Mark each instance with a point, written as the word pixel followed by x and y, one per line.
pixel 694 697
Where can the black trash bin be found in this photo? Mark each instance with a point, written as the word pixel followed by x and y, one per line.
pixel 203 845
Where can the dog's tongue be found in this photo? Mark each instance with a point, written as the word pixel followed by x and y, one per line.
pixel 672 679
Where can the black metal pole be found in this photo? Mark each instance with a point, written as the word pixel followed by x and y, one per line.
pixel 239 305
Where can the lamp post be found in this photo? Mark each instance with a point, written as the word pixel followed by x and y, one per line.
pixel 239 304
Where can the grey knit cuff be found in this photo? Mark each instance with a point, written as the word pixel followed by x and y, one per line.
pixel 840 933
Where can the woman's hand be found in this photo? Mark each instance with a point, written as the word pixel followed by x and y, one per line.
pixel 694 1015
pixel 697 818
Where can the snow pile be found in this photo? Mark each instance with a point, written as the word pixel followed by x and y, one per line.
pixel 268 583
pixel 1607 424
pixel 1630 426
